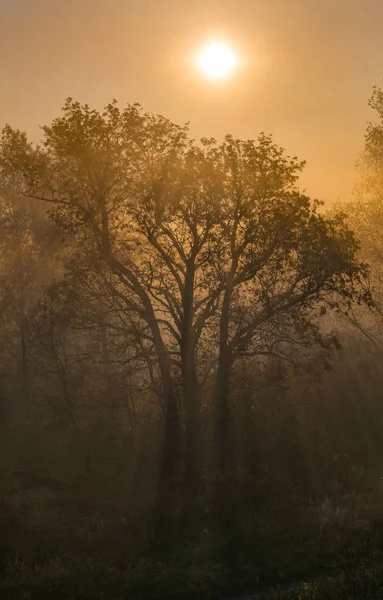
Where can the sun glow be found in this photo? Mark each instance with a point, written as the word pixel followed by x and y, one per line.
pixel 217 60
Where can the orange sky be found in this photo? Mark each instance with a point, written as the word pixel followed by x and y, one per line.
pixel 307 72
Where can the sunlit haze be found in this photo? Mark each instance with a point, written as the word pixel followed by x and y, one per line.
pixel 306 69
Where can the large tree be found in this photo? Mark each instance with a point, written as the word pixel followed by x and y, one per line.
pixel 210 247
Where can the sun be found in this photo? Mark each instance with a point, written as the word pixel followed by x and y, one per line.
pixel 217 60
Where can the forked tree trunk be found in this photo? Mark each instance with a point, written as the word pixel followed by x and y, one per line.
pixel 165 502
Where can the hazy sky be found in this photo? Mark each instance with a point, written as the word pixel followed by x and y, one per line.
pixel 307 69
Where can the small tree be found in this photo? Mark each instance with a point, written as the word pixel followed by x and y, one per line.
pixel 28 247
pixel 365 214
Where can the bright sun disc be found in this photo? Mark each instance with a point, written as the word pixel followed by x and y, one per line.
pixel 217 60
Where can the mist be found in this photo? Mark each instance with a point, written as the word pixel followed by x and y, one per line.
pixel 190 301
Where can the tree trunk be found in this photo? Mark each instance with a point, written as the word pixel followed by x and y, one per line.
pixel 191 475
pixel 224 505
pixel 222 430
pixel 192 466
pixel 222 416
pixel 24 358
pixel 165 502
pixel 222 413
pixel 166 510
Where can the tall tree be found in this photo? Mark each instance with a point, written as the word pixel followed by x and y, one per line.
pixel 211 247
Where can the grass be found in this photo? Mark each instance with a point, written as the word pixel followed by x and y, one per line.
pixel 93 558
pixel 364 582
pixel 354 575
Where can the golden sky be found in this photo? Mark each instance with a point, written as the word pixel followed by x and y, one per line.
pixel 308 67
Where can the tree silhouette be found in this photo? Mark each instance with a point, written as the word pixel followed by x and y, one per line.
pixel 210 248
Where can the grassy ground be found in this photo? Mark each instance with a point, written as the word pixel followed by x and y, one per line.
pixel 54 555
pixel 351 576
pixel 364 582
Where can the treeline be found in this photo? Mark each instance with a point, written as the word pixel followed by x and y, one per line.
pixel 178 351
